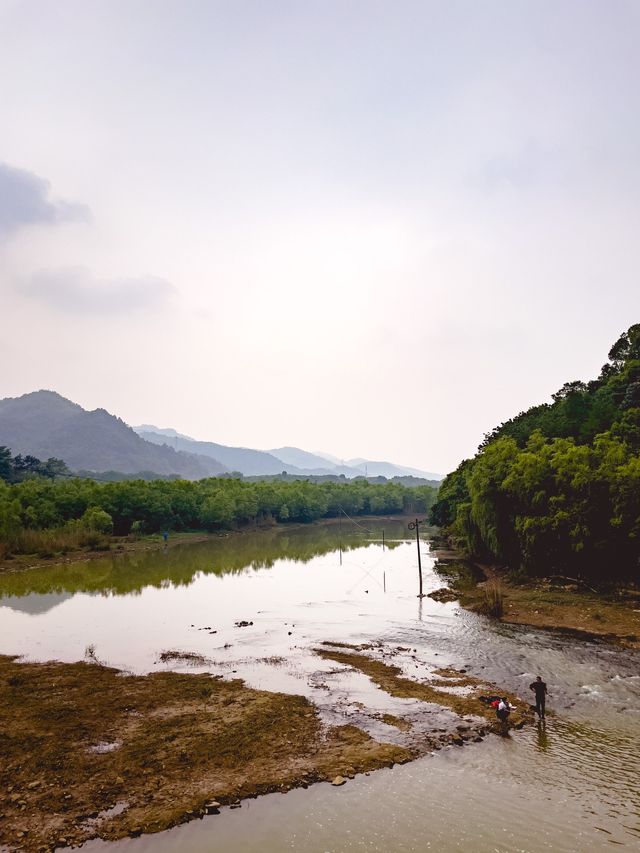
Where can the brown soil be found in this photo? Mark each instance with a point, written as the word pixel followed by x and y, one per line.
pixel 180 742
pixel 568 607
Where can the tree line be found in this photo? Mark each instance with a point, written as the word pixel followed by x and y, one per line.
pixel 556 489
pixel 82 510
pixel 14 469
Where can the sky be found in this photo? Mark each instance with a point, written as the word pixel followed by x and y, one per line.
pixel 375 229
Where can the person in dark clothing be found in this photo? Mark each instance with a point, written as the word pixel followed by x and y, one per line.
pixel 540 689
pixel 503 710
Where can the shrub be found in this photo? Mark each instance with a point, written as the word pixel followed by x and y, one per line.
pixel 97 520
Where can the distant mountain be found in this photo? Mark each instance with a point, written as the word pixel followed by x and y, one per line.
pixel 312 462
pixel 350 468
pixel 46 424
pixel 242 459
pixel 387 469
pixel 293 460
pixel 328 457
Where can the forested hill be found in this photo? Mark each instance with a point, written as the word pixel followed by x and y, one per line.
pixel 556 489
pixel 45 424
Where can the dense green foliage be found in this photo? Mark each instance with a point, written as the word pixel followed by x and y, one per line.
pixel 146 507
pixel 556 490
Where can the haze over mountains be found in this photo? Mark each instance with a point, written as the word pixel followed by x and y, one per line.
pixel 45 424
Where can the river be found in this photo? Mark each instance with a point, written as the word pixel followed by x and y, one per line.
pixel 570 785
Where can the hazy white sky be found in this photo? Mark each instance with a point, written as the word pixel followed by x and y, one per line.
pixel 372 228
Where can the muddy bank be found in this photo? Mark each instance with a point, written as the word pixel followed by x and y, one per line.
pixel 558 604
pixel 88 751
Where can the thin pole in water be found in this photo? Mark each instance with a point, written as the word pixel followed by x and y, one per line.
pixel 415 525
pixel 383 538
pixel 384 581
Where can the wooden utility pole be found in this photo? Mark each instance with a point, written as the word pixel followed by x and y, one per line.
pixel 415 525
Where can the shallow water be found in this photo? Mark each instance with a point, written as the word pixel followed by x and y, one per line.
pixel 571 785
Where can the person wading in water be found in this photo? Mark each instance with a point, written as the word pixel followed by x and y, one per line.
pixel 540 689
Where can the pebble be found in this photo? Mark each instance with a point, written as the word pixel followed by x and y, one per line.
pixel 339 780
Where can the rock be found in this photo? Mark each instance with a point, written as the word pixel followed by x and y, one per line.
pixel 211 806
pixel 33 785
pixel 339 780
pixel 235 806
pixel 119 780
pixel 443 595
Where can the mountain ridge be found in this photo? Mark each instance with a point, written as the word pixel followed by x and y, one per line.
pixel 44 423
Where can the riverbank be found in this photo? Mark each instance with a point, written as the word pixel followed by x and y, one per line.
pixel 115 546
pixel 89 751
pixel 557 604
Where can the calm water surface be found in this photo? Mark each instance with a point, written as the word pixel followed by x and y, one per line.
pixel 573 785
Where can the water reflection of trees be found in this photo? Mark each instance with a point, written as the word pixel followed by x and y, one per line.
pixel 230 554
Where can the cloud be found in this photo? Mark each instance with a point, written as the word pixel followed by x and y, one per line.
pixel 24 200
pixel 76 290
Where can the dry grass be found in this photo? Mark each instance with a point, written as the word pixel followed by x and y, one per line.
pixel 54 542
pixel 493 598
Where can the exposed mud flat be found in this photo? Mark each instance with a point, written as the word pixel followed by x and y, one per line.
pixel 180 741
pixel 89 751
